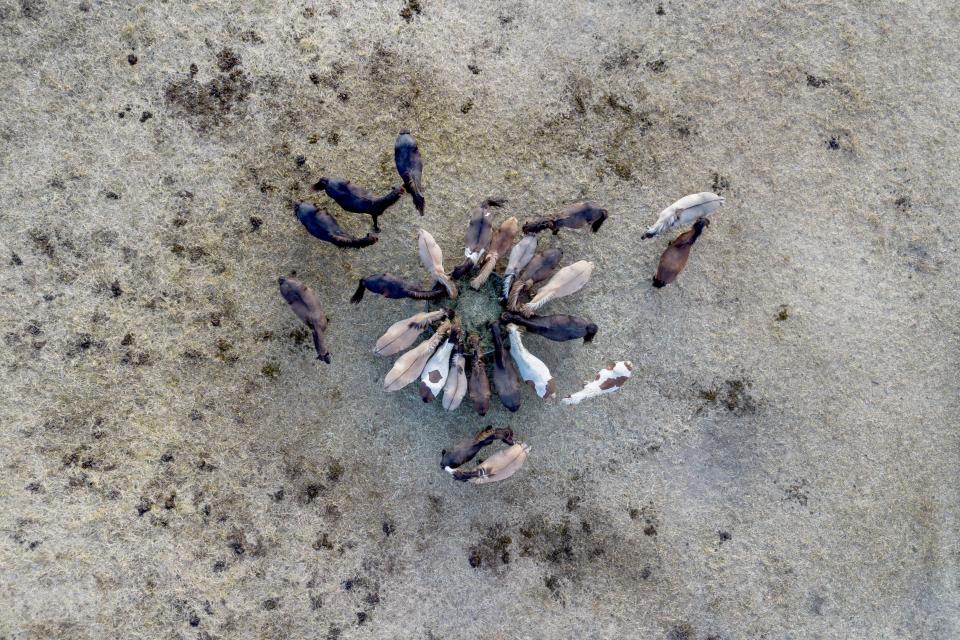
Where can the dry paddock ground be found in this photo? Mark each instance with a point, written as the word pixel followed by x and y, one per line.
pixel 176 464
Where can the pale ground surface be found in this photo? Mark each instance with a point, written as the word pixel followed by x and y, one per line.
pixel 177 465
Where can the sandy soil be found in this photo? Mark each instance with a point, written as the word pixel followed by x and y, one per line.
pixel 176 464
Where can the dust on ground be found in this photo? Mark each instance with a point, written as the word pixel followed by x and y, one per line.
pixel 176 463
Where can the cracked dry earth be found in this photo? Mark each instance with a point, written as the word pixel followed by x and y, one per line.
pixel 176 464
